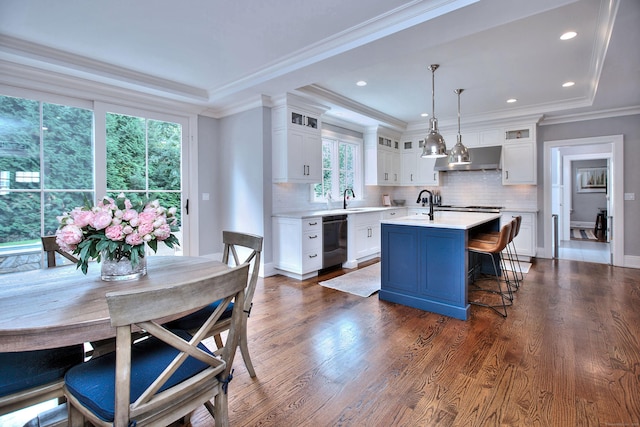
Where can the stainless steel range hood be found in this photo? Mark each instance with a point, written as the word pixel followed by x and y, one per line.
pixel 482 158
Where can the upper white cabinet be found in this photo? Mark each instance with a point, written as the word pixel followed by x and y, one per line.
pixel 297 144
pixel 382 157
pixel 416 170
pixel 519 161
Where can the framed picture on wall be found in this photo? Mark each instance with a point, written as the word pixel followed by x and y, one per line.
pixel 592 180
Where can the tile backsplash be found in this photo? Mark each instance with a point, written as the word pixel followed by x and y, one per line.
pixel 456 188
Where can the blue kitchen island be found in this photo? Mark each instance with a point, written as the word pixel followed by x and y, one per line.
pixel 424 262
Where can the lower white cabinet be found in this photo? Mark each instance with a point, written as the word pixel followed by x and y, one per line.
pixel 367 234
pixel 297 246
pixel 525 241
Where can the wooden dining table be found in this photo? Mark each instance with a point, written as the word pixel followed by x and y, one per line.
pixel 60 306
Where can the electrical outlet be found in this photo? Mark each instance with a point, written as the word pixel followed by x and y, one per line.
pixel 629 196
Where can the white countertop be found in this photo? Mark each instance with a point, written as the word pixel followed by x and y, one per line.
pixel 445 219
pixel 326 212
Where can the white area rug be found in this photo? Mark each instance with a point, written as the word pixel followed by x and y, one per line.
pixel 363 282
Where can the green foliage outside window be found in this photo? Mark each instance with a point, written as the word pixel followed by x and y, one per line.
pixel 47 152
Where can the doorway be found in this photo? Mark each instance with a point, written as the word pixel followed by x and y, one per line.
pixel 558 158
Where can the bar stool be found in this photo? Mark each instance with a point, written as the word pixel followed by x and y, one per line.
pixel 493 249
pixel 510 251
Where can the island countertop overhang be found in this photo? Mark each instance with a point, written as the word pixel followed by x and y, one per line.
pixel 446 219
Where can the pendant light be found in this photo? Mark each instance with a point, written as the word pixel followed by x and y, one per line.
pixel 459 154
pixel 434 145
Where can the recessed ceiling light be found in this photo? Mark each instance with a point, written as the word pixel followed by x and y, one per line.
pixel 568 35
pixel 361 83
pixel 568 84
pixel 511 100
pixel 424 115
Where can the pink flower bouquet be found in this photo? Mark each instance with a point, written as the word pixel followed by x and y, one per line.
pixel 117 228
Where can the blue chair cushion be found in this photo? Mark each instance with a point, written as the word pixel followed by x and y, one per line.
pixel 27 369
pixel 93 382
pixel 195 320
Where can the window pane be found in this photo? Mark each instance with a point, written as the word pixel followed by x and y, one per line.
pixel 57 202
pixel 19 143
pixel 164 155
pixel 126 149
pixel 68 147
pixel 20 218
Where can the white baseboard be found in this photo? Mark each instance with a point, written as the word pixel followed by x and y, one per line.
pixel 583 224
pixel 632 261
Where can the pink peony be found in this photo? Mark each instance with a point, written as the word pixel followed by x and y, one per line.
pixel 134 239
pixel 129 214
pixel 101 220
pixel 81 218
pixel 145 228
pixel 68 237
pixel 162 232
pixel 114 232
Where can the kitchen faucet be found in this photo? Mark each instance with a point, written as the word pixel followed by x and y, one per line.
pixel 344 197
pixel 430 202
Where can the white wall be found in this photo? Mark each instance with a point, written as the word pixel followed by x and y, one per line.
pixel 629 127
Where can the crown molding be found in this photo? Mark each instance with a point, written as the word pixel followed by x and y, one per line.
pixel 405 16
pixel 351 105
pixel 59 84
pixel 97 70
pixel 592 115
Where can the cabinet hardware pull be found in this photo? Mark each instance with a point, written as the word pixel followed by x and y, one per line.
pixel 313 223
pixel 313 256
pixel 507 172
pixel 313 237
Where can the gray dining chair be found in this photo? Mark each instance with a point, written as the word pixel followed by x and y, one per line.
pixel 166 376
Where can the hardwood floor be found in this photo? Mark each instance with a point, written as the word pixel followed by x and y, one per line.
pixel 568 354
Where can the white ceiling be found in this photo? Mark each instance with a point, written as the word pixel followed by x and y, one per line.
pixel 221 54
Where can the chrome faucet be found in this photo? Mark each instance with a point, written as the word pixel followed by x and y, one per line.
pixel 424 200
pixel 344 197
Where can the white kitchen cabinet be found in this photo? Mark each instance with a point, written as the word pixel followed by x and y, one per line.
pixel 296 144
pixel 519 163
pixel 525 241
pixel 417 171
pixel 297 246
pixel 382 158
pixel 367 232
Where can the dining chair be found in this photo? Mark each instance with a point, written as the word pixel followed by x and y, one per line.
pixel 168 374
pixel 51 248
pixel 234 242
pixel 31 377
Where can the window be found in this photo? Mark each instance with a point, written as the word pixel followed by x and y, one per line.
pixel 341 160
pixel 46 159
pixel 55 157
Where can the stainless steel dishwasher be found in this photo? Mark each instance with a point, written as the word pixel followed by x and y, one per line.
pixel 334 240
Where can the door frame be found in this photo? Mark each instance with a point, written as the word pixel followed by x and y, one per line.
pixel 616 195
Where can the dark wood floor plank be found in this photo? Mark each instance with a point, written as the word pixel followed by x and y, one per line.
pixel 567 354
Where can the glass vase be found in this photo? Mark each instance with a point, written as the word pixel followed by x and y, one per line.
pixel 114 270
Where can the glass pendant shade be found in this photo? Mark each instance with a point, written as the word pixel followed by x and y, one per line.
pixel 434 145
pixel 459 154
